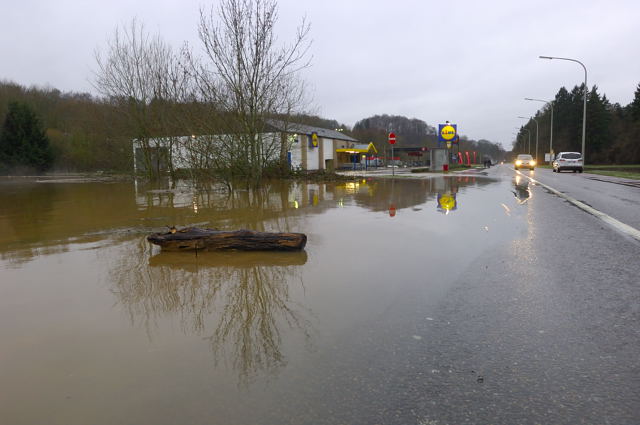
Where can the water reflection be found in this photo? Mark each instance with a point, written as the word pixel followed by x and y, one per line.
pixel 381 195
pixel 447 202
pixel 240 302
pixel 521 189
pixel 43 218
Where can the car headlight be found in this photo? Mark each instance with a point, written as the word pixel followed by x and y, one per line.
pixel 532 163
pixel 518 162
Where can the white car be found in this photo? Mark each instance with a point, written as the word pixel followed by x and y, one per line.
pixel 568 161
pixel 524 161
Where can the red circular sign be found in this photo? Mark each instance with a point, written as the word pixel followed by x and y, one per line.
pixel 392 138
pixel 392 210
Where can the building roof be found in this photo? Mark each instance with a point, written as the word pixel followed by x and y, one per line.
pixel 292 127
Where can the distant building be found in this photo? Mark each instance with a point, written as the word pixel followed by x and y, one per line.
pixel 308 148
pixel 325 151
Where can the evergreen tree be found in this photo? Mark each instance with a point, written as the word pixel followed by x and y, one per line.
pixel 634 106
pixel 598 124
pixel 23 141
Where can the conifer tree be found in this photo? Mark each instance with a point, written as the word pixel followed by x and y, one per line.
pixel 634 106
pixel 23 142
pixel 598 123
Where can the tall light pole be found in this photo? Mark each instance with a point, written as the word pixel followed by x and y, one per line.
pixel 550 102
pixel 537 131
pixel 584 108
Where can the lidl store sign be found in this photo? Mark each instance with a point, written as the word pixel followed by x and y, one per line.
pixel 313 140
pixel 447 132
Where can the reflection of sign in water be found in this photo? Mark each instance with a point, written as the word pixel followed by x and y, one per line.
pixel 447 202
pixel 447 132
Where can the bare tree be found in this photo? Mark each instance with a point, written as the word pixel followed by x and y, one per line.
pixel 143 75
pixel 249 78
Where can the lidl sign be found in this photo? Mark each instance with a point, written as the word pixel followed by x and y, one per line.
pixel 313 140
pixel 447 132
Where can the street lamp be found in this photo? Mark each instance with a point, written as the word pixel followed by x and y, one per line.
pixel 584 108
pixel 550 102
pixel 536 121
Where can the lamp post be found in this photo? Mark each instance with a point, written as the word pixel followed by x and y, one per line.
pixel 537 131
pixel 550 102
pixel 584 107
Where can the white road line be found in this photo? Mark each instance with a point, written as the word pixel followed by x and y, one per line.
pixel 616 224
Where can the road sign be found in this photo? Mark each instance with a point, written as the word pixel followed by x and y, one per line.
pixel 392 210
pixel 447 132
pixel 392 138
pixel 314 139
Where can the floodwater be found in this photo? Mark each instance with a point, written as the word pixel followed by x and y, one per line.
pixel 99 327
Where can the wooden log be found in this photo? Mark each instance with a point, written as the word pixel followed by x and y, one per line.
pixel 196 239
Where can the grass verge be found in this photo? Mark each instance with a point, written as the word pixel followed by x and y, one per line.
pixel 624 171
pixel 614 173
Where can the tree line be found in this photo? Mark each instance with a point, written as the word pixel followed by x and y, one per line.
pixel 612 130
pixel 82 132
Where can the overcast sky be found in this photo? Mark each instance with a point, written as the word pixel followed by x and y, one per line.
pixel 469 62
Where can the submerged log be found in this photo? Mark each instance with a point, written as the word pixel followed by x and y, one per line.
pixel 196 239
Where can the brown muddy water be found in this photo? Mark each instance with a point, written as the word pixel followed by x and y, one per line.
pixel 99 327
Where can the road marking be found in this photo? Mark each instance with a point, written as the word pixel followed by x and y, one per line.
pixel 616 224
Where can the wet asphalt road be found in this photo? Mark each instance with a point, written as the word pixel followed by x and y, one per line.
pixel 617 197
pixel 540 330
pixel 551 325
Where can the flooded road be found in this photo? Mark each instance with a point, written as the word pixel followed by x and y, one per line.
pixel 97 326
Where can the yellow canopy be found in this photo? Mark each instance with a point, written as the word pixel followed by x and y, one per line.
pixel 359 150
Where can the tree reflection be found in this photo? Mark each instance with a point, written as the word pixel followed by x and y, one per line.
pixel 239 302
